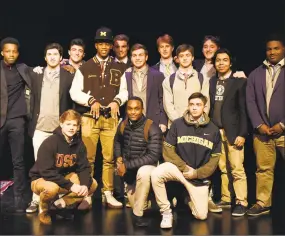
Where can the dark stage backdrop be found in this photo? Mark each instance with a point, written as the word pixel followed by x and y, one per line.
pixel 242 26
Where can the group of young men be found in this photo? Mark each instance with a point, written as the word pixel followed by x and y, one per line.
pixel 181 118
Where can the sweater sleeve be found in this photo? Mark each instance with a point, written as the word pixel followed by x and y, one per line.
pixel 153 150
pixel 169 146
pixel 83 169
pixel 46 164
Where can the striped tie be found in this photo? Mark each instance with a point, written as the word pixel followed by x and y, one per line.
pixel 167 70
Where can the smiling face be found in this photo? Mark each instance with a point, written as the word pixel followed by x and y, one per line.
pixel 76 53
pixel 134 110
pixel 69 128
pixel 275 51
pixel 121 48
pixel 103 49
pixel 139 58
pixel 10 53
pixel 223 63
pixel 209 49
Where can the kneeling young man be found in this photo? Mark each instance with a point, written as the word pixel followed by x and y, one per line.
pixel 138 147
pixel 191 152
pixel 62 168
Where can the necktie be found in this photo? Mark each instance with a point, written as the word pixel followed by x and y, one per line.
pixel 274 71
pixel 167 70
pixel 140 80
pixel 102 63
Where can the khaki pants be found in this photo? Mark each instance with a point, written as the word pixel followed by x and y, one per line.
pixel 138 192
pixel 105 129
pixel 48 191
pixel 198 194
pixel 232 172
pixel 265 152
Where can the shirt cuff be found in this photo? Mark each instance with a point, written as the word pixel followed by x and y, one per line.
pixel 259 126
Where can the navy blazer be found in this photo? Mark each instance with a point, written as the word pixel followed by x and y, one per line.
pixel 233 111
pixel 256 98
pixel 154 97
pixel 23 71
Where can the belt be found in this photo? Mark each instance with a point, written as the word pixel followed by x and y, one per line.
pixel 103 111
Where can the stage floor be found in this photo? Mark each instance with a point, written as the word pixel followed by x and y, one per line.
pixel 103 221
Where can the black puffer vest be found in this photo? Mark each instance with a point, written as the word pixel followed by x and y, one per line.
pixel 134 143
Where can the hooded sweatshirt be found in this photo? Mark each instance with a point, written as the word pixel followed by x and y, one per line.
pixel 57 158
pixel 194 144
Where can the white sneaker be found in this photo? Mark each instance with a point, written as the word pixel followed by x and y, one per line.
pixel 33 207
pixel 110 201
pixel 167 220
pixel 213 207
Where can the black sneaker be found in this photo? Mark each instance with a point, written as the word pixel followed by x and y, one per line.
pixel 18 207
pixel 66 214
pixel 140 221
pixel 239 210
pixel 224 204
pixel 257 210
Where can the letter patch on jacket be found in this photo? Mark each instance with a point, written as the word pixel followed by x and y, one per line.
pixel 65 160
pixel 196 140
pixel 115 77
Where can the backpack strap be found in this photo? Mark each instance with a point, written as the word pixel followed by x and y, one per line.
pixel 201 79
pixel 171 80
pixel 172 77
pixel 123 125
pixel 147 125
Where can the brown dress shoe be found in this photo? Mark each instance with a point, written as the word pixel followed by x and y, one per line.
pixel 45 218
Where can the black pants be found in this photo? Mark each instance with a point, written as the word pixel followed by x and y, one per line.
pixel 13 134
pixel 119 187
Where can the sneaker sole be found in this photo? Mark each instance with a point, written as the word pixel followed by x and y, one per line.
pixel 216 211
pixel 112 206
pixel 166 227
pixel 258 214
pixel 225 206
pixel 31 211
pixel 238 214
